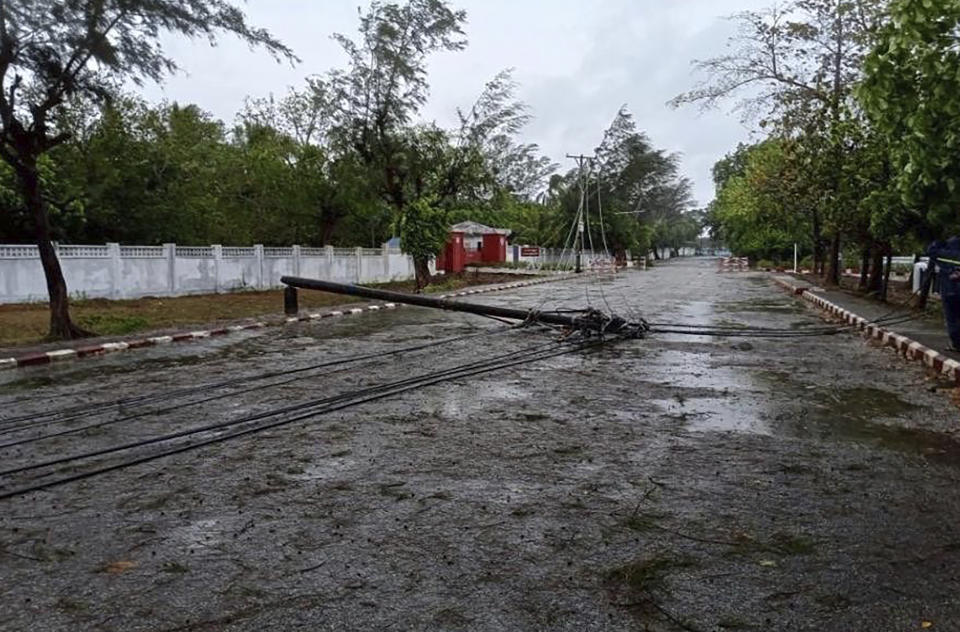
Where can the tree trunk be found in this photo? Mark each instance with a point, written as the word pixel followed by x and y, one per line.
pixel 875 283
pixel 421 268
pixel 61 327
pixel 327 226
pixel 886 275
pixel 864 267
pixel 833 265
pixel 656 254
pixel 620 255
pixel 817 244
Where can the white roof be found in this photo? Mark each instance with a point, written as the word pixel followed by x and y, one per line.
pixel 476 228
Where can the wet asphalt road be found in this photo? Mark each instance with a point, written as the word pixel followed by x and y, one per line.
pixel 678 482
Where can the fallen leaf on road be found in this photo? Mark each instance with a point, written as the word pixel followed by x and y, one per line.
pixel 926 624
pixel 767 563
pixel 115 568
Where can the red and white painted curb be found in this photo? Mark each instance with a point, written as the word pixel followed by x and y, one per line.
pixel 46 357
pixel 910 349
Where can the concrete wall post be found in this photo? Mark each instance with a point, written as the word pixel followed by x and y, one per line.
pixel 116 270
pixel 170 252
pixel 217 250
pixel 258 255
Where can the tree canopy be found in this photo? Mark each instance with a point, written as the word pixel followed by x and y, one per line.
pixel 857 103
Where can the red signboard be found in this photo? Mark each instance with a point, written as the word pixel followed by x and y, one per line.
pixel 529 251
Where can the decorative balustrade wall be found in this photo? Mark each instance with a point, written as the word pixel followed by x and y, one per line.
pixel 115 271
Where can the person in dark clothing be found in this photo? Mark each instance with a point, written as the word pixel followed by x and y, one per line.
pixel 945 259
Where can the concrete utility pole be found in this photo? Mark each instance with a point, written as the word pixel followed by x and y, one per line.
pixel 581 180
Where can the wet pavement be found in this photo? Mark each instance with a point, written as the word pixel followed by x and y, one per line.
pixel 674 483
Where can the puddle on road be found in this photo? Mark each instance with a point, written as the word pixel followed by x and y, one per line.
pixel 198 534
pixel 711 414
pixel 725 403
pixel 762 305
pixel 855 415
pixel 934 446
pixel 329 468
pixel 467 398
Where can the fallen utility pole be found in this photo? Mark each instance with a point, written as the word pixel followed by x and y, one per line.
pixel 589 321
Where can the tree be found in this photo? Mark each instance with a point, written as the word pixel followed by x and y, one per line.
pixel 755 207
pixel 639 187
pixel 911 92
pixel 798 64
pixel 420 171
pixel 55 50
pixel 384 87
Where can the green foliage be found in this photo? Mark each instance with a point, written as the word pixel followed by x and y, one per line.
pixel 911 91
pixel 422 227
pixel 632 193
pixel 755 212
pixel 53 51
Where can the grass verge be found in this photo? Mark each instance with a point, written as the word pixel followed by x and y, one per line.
pixel 26 323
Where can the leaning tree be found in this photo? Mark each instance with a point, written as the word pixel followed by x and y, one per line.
pixel 54 51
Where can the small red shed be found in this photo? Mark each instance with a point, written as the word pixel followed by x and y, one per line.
pixel 471 242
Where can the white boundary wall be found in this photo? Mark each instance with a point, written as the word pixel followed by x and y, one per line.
pixel 115 271
pixel 554 256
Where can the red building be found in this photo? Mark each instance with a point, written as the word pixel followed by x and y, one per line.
pixel 470 242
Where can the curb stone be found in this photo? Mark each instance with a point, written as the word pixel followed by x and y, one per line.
pixel 908 348
pixel 47 357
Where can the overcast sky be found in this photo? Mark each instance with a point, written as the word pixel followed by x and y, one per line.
pixel 577 63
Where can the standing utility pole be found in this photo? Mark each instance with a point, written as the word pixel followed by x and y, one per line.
pixel 582 179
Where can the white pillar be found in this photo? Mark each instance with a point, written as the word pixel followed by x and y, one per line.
pixel 217 258
pixel 359 252
pixel 258 255
pixel 170 252
pixel 296 260
pixel 795 254
pixel 328 250
pixel 113 249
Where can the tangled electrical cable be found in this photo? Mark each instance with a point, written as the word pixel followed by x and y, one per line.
pixel 66 414
pixel 197 437
pixel 892 317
